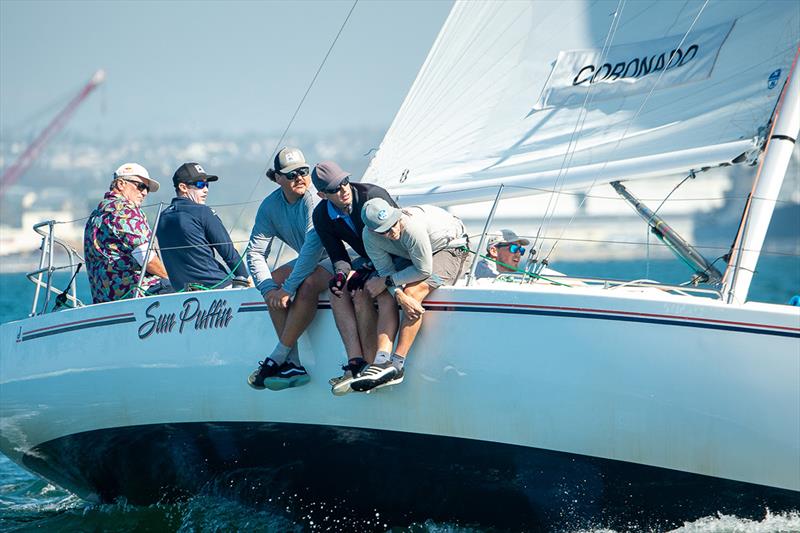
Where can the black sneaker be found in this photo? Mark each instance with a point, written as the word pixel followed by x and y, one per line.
pixel 397 380
pixel 374 375
pixel 340 385
pixel 266 368
pixel 289 375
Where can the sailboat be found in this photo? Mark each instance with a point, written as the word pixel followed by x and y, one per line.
pixel 526 405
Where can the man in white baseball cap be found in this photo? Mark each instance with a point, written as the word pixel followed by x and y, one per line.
pixel 505 250
pixel 117 236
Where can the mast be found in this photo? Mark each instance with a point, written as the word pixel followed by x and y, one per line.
pixel 767 186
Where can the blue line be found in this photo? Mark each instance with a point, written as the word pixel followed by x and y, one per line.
pixel 595 316
pixel 644 320
pixel 80 326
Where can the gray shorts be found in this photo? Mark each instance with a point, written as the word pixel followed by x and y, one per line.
pixel 448 265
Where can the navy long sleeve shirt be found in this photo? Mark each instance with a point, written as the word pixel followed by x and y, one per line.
pixel 335 233
pixel 188 233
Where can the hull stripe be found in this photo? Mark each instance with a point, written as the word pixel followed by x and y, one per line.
pixel 73 326
pixel 588 313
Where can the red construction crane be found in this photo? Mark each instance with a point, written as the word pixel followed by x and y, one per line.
pixel 12 174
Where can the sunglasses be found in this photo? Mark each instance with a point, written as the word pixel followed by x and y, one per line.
pixel 200 184
pixel 387 230
pixel 141 187
pixel 339 187
pixel 513 248
pixel 302 172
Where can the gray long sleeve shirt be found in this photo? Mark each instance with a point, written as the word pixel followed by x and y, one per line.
pixel 292 224
pixel 428 229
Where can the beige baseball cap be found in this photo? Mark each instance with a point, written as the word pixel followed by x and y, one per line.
pixel 289 159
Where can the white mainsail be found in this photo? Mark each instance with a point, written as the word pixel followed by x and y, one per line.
pixel 544 94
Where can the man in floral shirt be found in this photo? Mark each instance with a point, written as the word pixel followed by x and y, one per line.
pixel 116 238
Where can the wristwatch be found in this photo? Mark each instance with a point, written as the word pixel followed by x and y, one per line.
pixel 389 281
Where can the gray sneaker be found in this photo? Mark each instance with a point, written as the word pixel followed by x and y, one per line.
pixel 340 385
pixel 374 375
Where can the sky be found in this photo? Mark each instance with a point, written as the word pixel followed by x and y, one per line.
pixel 201 67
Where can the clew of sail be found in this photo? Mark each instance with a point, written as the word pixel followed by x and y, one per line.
pixel 550 95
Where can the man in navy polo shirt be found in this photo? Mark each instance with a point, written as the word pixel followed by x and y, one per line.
pixel 189 232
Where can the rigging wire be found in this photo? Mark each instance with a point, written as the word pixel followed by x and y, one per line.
pixel 630 122
pixel 297 109
pixel 573 141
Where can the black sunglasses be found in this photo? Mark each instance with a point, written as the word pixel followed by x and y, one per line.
pixel 513 248
pixel 141 187
pixel 338 188
pixel 302 172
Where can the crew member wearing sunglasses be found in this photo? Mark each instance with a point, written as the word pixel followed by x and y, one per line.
pixel 292 290
pixel 117 236
pixel 504 250
pixel 433 243
pixel 189 232
pixel 337 219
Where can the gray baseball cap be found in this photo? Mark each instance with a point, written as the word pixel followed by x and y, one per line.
pixel 505 236
pixel 289 159
pixel 327 175
pixel 379 216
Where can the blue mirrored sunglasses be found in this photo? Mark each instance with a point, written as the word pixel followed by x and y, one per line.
pixel 513 248
pixel 200 184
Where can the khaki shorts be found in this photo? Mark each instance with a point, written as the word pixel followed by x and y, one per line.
pixel 448 265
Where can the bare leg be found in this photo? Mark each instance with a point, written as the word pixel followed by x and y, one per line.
pixel 387 321
pixel 304 306
pixel 345 317
pixel 367 323
pixel 278 316
pixel 409 328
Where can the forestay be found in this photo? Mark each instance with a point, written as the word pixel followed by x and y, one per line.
pixel 561 94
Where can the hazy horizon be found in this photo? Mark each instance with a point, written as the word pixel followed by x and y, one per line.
pixel 210 68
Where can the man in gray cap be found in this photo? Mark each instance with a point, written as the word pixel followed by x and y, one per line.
pixel 292 290
pixel 505 250
pixel 337 219
pixel 434 243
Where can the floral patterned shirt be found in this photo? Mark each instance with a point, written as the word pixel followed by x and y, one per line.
pixel 114 230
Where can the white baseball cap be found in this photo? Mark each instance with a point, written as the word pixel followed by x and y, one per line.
pixel 505 236
pixel 138 171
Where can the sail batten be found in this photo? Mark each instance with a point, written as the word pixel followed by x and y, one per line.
pixel 711 76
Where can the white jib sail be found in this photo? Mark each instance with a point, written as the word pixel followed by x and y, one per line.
pixel 561 94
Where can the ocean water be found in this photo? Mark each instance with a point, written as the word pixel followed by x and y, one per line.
pixel 27 503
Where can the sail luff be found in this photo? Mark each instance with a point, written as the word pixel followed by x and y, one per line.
pixel 767 186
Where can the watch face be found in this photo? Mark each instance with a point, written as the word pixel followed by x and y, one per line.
pixel 389 282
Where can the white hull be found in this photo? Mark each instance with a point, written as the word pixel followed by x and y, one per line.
pixel 681 383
